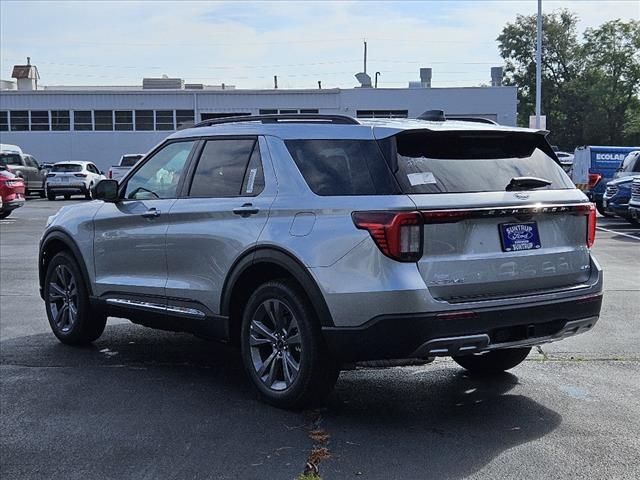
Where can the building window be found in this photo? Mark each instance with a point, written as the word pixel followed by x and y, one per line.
pixel 60 120
pixel 144 120
pixel 164 120
pixel 103 119
pixel 309 110
pixel 39 120
pixel 19 120
pixel 213 116
pixel 284 111
pixel 288 111
pixel 82 120
pixel 124 119
pixel 268 111
pixel 382 113
pixel 184 118
pixel 4 121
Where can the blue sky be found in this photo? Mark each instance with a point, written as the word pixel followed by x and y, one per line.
pixel 246 43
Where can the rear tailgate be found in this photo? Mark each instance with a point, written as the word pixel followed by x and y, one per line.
pixel 485 238
pixel 469 256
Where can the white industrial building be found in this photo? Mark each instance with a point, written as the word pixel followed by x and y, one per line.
pixel 101 123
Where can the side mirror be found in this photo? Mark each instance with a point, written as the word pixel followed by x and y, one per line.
pixel 106 190
pixel 102 172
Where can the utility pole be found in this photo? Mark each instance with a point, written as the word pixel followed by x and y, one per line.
pixel 539 64
pixel 365 57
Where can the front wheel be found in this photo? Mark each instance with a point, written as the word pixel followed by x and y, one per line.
pixel 493 362
pixel 70 315
pixel 283 351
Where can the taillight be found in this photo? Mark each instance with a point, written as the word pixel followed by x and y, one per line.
pixel 397 234
pixel 13 183
pixel 49 175
pixel 591 226
pixel 594 178
pixel 110 174
pixel 81 175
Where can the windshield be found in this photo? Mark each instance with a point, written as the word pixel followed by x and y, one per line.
pixel 10 159
pixel 631 163
pixel 464 162
pixel 67 167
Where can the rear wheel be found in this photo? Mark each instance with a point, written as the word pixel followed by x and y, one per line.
pixel 493 362
pixel 283 351
pixel 51 196
pixel 87 193
pixel 67 303
pixel 5 214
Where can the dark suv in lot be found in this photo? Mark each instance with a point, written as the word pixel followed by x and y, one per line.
pixel 316 241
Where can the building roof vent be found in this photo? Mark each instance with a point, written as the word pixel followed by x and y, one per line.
pixel 496 76
pixel 364 79
pixel 26 75
pixel 163 83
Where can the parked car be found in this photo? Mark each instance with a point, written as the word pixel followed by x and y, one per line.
pixel 630 165
pixel 594 166
pixel 566 160
pixel 72 178
pixel 315 241
pixel 12 192
pixel 126 163
pixel 634 201
pixel 616 198
pixel 24 166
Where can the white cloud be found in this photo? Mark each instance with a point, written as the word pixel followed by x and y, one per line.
pixel 247 43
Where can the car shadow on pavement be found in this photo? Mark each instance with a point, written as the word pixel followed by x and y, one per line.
pixel 436 421
pixel 143 403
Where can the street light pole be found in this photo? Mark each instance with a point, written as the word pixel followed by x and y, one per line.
pixel 539 64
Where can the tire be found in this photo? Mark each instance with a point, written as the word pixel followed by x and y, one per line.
pixel 51 196
pixel 493 362
pixel 298 341
pixel 5 214
pixel 67 196
pixel 42 193
pixel 62 279
pixel 601 210
pixel 87 193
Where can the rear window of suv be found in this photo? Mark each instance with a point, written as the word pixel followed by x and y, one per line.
pixel 68 167
pixel 465 162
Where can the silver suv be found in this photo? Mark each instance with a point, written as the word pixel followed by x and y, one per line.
pixel 317 241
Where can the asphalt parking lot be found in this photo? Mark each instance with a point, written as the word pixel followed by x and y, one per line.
pixel 146 404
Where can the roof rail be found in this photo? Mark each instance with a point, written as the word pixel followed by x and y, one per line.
pixel 285 118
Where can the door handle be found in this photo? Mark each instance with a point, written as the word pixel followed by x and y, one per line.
pixel 151 213
pixel 246 210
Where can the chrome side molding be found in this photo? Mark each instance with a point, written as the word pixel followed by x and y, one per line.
pixel 175 309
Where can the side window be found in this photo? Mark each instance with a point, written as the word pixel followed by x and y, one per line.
pixel 222 170
pixel 253 183
pixel 92 168
pixel 160 174
pixel 35 162
pixel 29 162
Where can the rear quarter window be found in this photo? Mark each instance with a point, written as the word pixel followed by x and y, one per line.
pixel 342 167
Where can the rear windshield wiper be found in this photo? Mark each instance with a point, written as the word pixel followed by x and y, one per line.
pixel 526 183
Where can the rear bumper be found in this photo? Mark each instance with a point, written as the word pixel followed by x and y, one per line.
pixel 67 188
pixel 446 334
pixel 11 204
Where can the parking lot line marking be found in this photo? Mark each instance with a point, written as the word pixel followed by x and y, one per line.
pixel 618 233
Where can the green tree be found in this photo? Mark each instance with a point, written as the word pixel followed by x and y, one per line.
pixel 589 89
pixel 611 77
pixel 561 64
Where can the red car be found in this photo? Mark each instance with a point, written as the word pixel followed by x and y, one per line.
pixel 11 193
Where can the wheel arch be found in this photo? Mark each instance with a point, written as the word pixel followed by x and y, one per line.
pixel 262 264
pixel 53 243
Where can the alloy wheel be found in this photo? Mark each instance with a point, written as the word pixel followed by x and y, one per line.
pixel 63 298
pixel 275 345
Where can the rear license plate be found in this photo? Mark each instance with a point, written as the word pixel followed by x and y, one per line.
pixel 519 236
pixel 64 180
